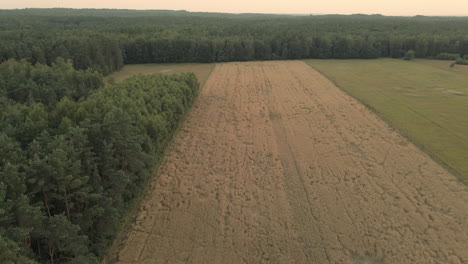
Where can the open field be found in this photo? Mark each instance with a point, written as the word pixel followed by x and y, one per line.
pixel 275 164
pixel 445 65
pixel 201 70
pixel 428 104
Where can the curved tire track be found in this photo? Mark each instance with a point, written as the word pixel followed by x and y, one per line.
pixel 277 165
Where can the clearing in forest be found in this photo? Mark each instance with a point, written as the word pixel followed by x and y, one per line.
pixel 426 102
pixel 275 164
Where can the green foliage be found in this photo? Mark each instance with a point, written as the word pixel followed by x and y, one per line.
pixel 64 241
pixel 72 166
pixel 461 61
pixel 23 82
pixel 105 39
pixel 447 56
pixel 12 253
pixel 410 55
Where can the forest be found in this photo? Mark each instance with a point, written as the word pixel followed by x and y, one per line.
pixel 77 150
pixel 75 154
pixel 104 40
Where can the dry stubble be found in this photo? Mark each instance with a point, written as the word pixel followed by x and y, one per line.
pixel 277 165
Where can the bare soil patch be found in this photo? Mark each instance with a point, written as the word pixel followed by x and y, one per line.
pixel 275 164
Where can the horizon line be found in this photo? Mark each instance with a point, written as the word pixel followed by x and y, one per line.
pixel 233 13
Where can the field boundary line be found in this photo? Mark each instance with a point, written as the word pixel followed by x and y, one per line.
pixel 112 253
pixel 400 131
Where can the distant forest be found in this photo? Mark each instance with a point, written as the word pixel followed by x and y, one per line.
pixel 106 39
pixel 76 151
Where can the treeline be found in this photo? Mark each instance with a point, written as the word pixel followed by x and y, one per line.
pixel 75 153
pixel 87 50
pixel 145 49
pixel 104 40
pixel 23 82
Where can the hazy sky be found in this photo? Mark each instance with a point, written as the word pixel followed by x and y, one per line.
pixel 386 7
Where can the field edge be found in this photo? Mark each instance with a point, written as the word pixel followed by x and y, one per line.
pixel 111 255
pixel 423 148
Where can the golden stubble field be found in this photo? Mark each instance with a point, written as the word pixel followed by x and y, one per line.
pixel 275 164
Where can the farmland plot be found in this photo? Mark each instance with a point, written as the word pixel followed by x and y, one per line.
pixel 427 102
pixel 277 165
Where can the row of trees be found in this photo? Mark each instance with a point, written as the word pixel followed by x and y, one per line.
pixel 71 167
pixel 23 82
pixel 147 49
pixel 87 50
pixel 105 40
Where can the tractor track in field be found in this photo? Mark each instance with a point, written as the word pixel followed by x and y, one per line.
pixel 275 164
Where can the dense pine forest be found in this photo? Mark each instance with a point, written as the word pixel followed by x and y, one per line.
pixel 106 39
pixel 76 151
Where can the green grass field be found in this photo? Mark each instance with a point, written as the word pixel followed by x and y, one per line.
pixel 427 102
pixel 445 65
pixel 201 70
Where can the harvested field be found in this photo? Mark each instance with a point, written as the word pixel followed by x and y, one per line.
pixel 277 165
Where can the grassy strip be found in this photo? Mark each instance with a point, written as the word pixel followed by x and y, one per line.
pixel 201 70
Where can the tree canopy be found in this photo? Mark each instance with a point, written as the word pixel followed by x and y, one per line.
pixel 75 153
pixel 106 39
